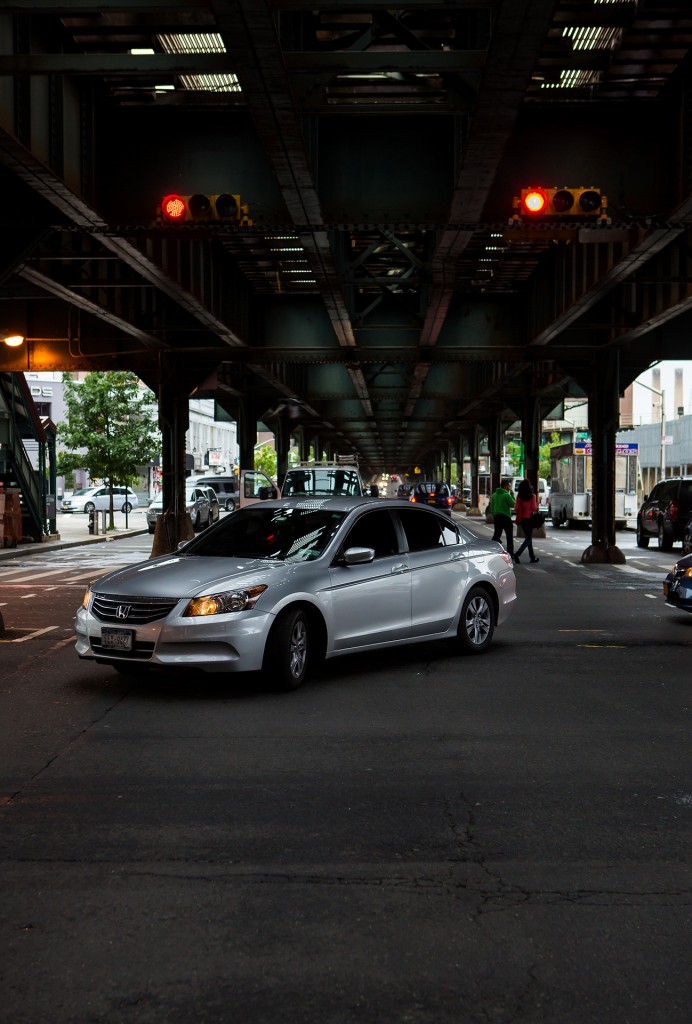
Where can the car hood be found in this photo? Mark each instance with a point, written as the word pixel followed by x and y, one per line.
pixel 188 576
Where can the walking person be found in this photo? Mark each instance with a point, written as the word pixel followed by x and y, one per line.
pixel 524 507
pixel 501 505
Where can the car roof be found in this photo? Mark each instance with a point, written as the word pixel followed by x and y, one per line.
pixel 338 504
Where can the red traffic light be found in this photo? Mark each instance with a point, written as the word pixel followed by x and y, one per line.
pixel 174 208
pixel 562 203
pixel 533 200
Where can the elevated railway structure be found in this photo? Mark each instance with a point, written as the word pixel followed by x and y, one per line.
pixel 346 252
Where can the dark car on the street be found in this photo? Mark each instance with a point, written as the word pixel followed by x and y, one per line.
pixel 404 491
pixel 438 495
pixel 665 513
pixel 677 586
pixel 214 504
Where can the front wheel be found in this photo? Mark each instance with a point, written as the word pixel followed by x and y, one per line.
pixel 287 655
pixel 687 543
pixel 642 539
pixel 89 507
pixel 476 623
pixel 230 505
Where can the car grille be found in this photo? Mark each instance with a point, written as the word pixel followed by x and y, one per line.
pixel 141 649
pixel 125 611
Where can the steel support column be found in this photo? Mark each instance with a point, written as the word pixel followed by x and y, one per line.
pixel 282 440
pixel 174 525
pixel 603 421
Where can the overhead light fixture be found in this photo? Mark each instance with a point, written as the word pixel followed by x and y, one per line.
pixel 13 340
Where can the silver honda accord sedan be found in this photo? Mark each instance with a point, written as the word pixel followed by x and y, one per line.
pixel 282 584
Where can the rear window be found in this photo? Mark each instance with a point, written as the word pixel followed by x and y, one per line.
pixel 686 494
pixel 424 531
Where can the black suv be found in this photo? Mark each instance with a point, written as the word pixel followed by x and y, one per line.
pixel 665 513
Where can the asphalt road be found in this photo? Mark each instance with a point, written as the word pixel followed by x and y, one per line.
pixel 413 837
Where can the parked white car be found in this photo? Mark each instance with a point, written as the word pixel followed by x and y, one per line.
pixel 93 499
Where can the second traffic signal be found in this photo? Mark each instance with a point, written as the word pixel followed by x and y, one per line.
pixel 561 202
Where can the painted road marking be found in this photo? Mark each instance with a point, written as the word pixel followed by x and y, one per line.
pixel 30 636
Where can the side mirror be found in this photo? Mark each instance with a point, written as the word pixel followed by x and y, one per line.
pixel 358 556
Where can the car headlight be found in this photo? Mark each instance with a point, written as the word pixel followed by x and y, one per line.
pixel 86 600
pixel 230 601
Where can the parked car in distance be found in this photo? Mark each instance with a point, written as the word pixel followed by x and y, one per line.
pixel 197 504
pixel 226 488
pixel 283 584
pixel 665 513
pixel 687 538
pixel 677 586
pixel 439 495
pixel 214 505
pixel 94 499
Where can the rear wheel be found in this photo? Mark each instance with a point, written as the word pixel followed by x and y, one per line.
pixel 642 540
pixel 476 623
pixel 127 507
pixel 287 655
pixel 665 542
pixel 230 505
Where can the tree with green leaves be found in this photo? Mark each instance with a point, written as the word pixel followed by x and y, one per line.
pixel 111 428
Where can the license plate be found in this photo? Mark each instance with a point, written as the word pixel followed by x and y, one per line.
pixel 117 639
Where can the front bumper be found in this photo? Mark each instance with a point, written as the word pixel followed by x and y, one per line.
pixel 234 642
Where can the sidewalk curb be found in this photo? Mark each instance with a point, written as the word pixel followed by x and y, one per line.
pixel 59 545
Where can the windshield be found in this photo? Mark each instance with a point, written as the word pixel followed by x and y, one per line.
pixel 333 482
pixel 84 490
pixel 296 534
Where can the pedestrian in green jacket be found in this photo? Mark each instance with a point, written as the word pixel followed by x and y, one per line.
pixel 501 505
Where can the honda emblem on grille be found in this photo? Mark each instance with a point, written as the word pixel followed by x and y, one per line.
pixel 122 611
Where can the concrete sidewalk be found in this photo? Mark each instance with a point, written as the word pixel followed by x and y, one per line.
pixel 73 529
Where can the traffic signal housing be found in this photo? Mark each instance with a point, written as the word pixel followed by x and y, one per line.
pixel 226 206
pixel 560 203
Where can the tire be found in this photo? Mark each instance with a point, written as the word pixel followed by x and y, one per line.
pixel 476 622
pixel 642 540
pixel 664 541
pixel 89 507
pixel 230 505
pixel 288 650
pixel 152 529
pixel 127 507
pixel 196 522
pixel 687 543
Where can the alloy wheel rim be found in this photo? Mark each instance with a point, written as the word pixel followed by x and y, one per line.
pixel 298 649
pixel 477 620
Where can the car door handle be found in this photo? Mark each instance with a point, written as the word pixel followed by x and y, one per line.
pixel 402 567
pixel 456 555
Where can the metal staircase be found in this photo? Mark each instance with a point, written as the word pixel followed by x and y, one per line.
pixel 19 421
